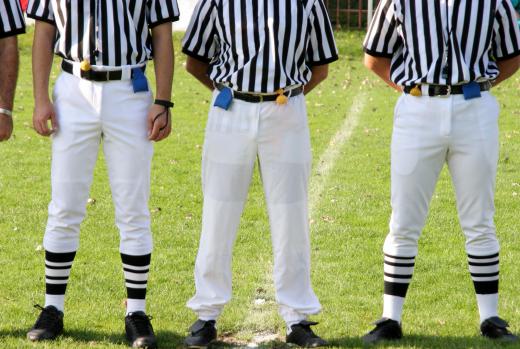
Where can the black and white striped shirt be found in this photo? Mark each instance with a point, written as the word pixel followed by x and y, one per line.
pixel 260 45
pixel 110 33
pixel 11 18
pixel 415 34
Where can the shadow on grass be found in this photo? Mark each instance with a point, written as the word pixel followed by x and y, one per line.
pixel 166 339
pixel 417 341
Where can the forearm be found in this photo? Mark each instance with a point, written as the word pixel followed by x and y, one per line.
pixel 8 71
pixel 319 74
pixel 199 70
pixel 42 55
pixel 163 60
pixel 381 67
pixel 507 69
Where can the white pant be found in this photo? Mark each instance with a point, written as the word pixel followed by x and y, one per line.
pixel 279 137
pixel 431 131
pixel 88 112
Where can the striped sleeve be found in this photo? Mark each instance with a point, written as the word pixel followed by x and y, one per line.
pixel 382 39
pixel 199 41
pixel 321 48
pixel 41 10
pixel 506 34
pixel 11 18
pixel 161 11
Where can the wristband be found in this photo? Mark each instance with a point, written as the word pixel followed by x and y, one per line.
pixel 164 103
pixel 6 112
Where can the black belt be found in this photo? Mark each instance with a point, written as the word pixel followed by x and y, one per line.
pixel 257 98
pixel 95 75
pixel 446 90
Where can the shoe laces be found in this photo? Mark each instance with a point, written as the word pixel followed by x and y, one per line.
pixel 141 324
pixel 47 318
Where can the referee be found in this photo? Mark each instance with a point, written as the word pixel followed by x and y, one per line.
pixel 103 95
pixel 444 56
pixel 11 24
pixel 259 58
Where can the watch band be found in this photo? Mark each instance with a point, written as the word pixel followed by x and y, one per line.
pixel 6 112
pixel 164 103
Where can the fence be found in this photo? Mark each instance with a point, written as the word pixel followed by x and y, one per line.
pixel 350 14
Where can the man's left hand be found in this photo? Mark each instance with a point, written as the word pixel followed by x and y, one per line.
pixel 159 123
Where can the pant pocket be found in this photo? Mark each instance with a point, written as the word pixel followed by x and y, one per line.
pixel 404 149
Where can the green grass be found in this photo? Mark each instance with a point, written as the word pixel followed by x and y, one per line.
pixel 349 225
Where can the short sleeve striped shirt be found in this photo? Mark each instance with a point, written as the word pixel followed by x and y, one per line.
pixel 11 18
pixel 260 45
pixel 108 33
pixel 444 42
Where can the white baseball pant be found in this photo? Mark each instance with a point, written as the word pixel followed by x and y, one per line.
pixel 279 137
pixel 431 131
pixel 87 113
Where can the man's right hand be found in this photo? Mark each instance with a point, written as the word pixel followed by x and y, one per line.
pixel 6 127
pixel 43 113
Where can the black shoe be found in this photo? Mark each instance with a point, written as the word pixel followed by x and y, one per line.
pixel 386 330
pixel 496 328
pixel 302 335
pixel 202 333
pixel 49 324
pixel 139 330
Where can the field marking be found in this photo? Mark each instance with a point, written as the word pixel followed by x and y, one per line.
pixel 262 306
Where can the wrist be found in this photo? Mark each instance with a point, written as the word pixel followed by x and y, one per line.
pixel 6 112
pixel 164 103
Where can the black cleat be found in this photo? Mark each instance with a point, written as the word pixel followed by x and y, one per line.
pixel 139 330
pixel 202 333
pixel 49 324
pixel 302 335
pixel 496 328
pixel 386 330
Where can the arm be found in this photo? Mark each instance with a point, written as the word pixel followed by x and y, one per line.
pixel 9 74
pixel 507 68
pixel 381 67
pixel 199 70
pixel 44 35
pixel 319 73
pixel 164 62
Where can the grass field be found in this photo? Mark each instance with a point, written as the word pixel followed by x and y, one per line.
pixel 350 117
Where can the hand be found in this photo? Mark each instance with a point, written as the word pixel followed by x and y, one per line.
pixel 159 123
pixel 6 127
pixel 43 112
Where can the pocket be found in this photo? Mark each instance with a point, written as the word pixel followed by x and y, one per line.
pixel 398 104
pixel 62 88
pixel 404 148
pixel 487 113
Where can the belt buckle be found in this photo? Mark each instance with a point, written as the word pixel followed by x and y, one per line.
pixel 261 98
pixel 107 75
pixel 448 92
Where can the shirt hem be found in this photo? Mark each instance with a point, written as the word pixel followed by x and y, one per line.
pixel 511 55
pixel 196 56
pixel 12 33
pixel 376 53
pixel 162 21
pixel 39 18
pixel 324 61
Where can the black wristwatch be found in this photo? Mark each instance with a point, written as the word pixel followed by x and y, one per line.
pixel 164 103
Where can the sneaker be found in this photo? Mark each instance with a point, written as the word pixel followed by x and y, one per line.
pixel 386 330
pixel 302 335
pixel 49 324
pixel 496 328
pixel 202 333
pixel 139 330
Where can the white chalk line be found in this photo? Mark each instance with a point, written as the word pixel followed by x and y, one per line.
pixel 261 308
